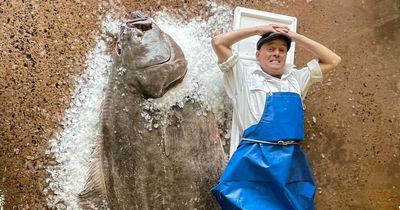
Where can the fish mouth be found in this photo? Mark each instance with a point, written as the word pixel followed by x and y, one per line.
pixel 137 26
pixel 139 22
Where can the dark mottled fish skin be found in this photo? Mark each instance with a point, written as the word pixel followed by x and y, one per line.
pixel 171 167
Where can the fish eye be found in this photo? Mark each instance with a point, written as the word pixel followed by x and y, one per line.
pixel 118 48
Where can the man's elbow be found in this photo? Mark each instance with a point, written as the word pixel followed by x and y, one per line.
pixel 331 64
pixel 221 49
pixel 216 41
pixel 336 61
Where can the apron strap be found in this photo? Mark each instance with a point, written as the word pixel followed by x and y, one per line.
pixel 270 92
pixel 302 100
pixel 280 142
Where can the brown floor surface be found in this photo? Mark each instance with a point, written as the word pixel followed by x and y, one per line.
pixel 354 144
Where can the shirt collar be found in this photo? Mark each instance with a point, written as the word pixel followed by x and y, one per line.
pixel 288 71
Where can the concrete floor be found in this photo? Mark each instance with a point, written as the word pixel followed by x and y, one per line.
pixel 353 143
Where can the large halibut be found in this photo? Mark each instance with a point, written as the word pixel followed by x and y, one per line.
pixel 171 167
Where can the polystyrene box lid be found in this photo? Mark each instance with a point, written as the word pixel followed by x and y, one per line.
pixel 244 18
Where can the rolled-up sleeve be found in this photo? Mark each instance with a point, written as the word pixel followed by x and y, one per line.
pixel 233 74
pixel 229 63
pixel 309 75
pixel 315 71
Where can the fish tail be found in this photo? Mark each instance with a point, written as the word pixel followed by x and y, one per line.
pixel 94 195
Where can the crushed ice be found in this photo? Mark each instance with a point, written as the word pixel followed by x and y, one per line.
pixel 2 199
pixel 72 147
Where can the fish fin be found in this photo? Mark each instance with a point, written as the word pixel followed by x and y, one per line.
pixel 165 141
pixel 94 194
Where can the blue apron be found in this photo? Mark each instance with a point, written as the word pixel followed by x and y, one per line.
pixel 269 170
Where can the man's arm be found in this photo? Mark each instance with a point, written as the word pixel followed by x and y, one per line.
pixel 328 60
pixel 222 43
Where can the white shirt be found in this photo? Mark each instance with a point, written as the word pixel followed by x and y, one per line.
pixel 247 85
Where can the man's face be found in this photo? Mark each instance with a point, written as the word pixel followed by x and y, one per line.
pixel 272 57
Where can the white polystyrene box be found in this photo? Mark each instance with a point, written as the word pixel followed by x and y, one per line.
pixel 244 18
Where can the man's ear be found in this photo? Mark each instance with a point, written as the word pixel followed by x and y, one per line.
pixel 257 53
